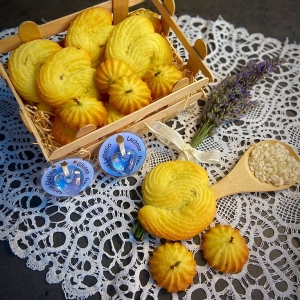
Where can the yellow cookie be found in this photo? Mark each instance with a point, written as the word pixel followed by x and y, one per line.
pixel 66 75
pixel 179 203
pixel 225 249
pixel 161 79
pixel 90 31
pixel 129 94
pixel 108 71
pixel 173 267
pixel 77 113
pixel 152 16
pixel 24 65
pixel 135 42
pixel 61 133
pixel 113 115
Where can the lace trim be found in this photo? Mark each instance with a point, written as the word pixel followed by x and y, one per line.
pixel 86 240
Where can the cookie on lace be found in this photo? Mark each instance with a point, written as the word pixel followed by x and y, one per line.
pixel 225 249
pixel 173 267
pixel 178 201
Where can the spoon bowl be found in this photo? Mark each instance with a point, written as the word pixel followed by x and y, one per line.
pixel 241 179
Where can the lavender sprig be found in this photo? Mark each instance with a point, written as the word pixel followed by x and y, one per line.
pixel 230 100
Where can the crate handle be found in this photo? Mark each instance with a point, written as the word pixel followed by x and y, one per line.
pixel 120 10
pixel 29 31
pixel 201 49
pixel 180 84
pixel 170 6
pixel 85 130
pixel 185 42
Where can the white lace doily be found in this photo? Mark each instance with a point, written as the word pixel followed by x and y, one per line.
pixel 85 241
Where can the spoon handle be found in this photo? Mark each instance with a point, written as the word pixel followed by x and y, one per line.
pixel 227 186
pixel 238 180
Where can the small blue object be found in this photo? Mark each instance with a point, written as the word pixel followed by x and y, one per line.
pixel 114 163
pixel 67 177
pixel 71 183
pixel 124 164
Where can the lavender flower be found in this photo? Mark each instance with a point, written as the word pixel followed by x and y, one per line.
pixel 230 100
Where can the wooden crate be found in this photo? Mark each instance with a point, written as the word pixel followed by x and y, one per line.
pixel 184 93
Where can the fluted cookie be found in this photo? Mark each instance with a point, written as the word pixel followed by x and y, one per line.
pixel 161 79
pixel 62 133
pixel 113 115
pixel 82 111
pixel 129 94
pixel 152 16
pixel 173 267
pixel 108 71
pixel 225 249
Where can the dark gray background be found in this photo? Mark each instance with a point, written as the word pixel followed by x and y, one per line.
pixel 273 18
pixel 278 19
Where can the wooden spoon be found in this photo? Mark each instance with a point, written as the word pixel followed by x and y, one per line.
pixel 241 179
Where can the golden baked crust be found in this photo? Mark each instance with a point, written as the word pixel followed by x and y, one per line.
pixel 152 16
pixel 43 106
pixel 90 31
pixel 173 267
pixel 61 133
pixel 77 113
pixel 67 74
pixel 128 94
pixel 108 71
pixel 135 42
pixel 179 203
pixel 225 249
pixel 161 79
pixel 24 64
pixel 113 115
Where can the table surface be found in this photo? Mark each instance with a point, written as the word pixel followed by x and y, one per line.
pixel 84 242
